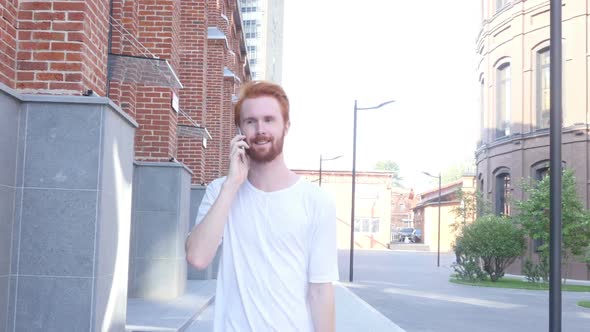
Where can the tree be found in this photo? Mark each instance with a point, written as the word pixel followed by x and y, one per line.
pixel 391 166
pixel 495 240
pixel 533 215
pixel 473 205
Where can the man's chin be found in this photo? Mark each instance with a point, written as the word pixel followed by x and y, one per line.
pixel 263 156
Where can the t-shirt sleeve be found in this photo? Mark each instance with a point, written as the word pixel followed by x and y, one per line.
pixel 323 259
pixel 211 193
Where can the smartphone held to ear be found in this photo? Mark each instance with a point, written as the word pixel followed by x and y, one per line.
pixel 240 133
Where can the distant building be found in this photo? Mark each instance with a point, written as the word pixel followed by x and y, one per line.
pixel 373 206
pixel 426 213
pixel 263 29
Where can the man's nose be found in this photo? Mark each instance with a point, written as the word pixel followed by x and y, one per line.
pixel 260 127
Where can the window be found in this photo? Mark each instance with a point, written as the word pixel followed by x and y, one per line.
pixel 249 9
pixel 501 4
pixel 366 225
pixel 503 193
pixel 479 200
pixel 481 111
pixel 542 89
pixel 251 34
pixel 503 79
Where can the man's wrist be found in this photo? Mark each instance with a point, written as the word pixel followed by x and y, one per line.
pixel 230 185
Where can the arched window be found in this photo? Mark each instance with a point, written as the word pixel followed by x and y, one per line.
pixel 482 137
pixel 502 192
pixel 503 83
pixel 542 88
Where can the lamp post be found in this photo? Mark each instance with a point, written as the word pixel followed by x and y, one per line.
pixel 325 159
pixel 439 202
pixel 356 109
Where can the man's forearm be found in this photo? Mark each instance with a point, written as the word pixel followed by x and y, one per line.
pixel 201 244
pixel 321 302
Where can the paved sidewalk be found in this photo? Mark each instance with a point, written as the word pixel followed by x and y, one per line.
pixel 352 315
pixel 170 316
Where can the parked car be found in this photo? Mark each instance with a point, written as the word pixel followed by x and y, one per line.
pixel 417 235
pixel 405 232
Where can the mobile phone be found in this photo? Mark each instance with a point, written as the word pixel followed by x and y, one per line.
pixel 240 133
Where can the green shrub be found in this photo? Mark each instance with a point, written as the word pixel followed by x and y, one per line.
pixel 496 241
pixel 536 272
pixel 468 269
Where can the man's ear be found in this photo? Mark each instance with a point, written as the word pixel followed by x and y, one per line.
pixel 287 126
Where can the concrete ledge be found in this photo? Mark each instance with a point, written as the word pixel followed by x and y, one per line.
pixel 68 99
pixel 170 316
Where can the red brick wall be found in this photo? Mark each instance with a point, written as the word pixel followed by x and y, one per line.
pixel 155 139
pixel 62 46
pixel 215 109
pixel 125 26
pixel 158 31
pixel 8 23
pixel 193 56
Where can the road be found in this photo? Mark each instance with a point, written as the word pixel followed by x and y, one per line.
pixel 409 289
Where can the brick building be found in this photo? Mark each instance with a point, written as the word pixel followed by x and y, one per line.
pixel 513 76
pixel 113 114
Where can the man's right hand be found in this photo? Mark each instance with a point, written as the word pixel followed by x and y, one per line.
pixel 239 162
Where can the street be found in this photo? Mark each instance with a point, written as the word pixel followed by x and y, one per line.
pixel 408 288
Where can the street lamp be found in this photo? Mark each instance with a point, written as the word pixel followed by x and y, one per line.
pixel 356 108
pixel 439 191
pixel 325 159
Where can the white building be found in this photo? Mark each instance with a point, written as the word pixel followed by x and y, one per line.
pixel 263 29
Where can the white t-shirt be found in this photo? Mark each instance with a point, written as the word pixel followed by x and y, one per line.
pixel 274 244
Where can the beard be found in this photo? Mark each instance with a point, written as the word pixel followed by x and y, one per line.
pixel 265 154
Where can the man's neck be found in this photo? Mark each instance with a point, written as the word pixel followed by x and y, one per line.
pixel 271 176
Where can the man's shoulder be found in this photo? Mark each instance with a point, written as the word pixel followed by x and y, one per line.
pixel 315 192
pixel 217 182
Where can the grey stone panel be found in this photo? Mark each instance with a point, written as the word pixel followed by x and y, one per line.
pixel 21 146
pixel 62 146
pixel 57 232
pixel 109 296
pixel 6 221
pixel 11 304
pixel 113 233
pixel 160 224
pixel 156 234
pixel 9 115
pixel 158 188
pixel 157 279
pixel 53 304
pixel 115 199
pixel 4 294
pixel 14 251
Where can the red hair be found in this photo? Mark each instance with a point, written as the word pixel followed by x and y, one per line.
pixel 255 89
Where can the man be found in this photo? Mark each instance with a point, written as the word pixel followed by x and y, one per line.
pixel 279 231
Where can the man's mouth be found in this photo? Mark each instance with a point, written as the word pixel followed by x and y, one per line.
pixel 261 141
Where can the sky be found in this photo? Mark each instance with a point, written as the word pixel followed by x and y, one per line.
pixel 422 54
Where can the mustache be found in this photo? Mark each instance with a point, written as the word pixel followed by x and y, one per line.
pixel 261 137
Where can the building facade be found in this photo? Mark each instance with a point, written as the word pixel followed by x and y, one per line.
pixel 113 115
pixel 426 213
pixel 263 27
pixel 513 74
pixel 373 206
